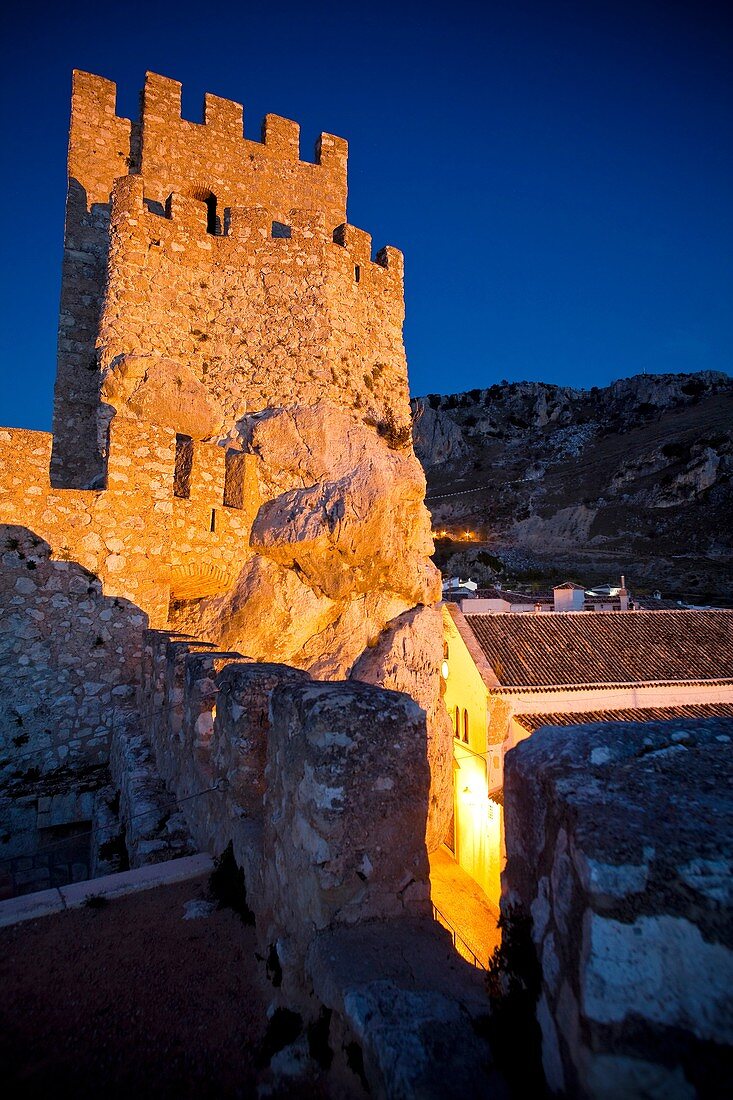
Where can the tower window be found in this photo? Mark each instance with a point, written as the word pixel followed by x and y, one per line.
pixel 235 471
pixel 357 273
pixel 212 524
pixel 279 229
pixel 465 726
pixel 182 470
pixel 457 730
pixel 211 221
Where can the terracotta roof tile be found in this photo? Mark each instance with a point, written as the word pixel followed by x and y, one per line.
pixel 534 722
pixel 603 647
pixel 511 597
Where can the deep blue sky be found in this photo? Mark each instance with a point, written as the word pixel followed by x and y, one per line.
pixel 559 175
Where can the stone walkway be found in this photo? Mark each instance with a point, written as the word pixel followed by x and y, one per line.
pixel 464 905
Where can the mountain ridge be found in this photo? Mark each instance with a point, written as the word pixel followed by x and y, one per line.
pixel 637 474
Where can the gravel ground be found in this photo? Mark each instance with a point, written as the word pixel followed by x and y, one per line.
pixel 130 999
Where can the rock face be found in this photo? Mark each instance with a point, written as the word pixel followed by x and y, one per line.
pixel 407 657
pixel 339 545
pixel 346 792
pixel 162 392
pixel 571 477
pixel 619 847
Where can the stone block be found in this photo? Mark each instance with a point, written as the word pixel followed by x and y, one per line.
pixel 620 846
pixel 242 728
pixel 346 800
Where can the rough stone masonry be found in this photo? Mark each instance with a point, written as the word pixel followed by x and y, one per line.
pixel 619 849
pixel 231 452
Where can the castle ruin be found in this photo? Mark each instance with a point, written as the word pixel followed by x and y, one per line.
pixel 231 453
pixel 216 579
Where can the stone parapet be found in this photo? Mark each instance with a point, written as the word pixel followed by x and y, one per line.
pixel 322 789
pixel 346 801
pixel 619 848
pixel 415 1007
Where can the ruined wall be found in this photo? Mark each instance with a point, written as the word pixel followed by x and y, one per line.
pixel 84 572
pixel 322 788
pixel 69 655
pixel 322 791
pixel 618 850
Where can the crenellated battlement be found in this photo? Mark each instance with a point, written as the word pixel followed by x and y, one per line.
pixel 94 101
pixel 228 258
pixel 190 216
pixel 198 513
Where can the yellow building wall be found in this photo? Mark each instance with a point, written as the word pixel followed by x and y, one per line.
pixel 464 687
pixel 477 821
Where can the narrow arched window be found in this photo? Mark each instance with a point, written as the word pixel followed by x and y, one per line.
pixel 208 198
pixel 211 214
pixel 465 726
pixel 458 723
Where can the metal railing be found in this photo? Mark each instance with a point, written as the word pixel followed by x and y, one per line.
pixel 459 943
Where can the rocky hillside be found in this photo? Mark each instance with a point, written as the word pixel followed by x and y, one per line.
pixel 633 478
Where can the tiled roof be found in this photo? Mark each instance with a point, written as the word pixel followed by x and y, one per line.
pixel 511 597
pixel 648 603
pixel 534 722
pixel 603 647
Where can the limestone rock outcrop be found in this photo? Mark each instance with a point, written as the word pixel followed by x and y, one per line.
pixel 407 657
pixel 558 474
pixel 163 392
pixel 339 545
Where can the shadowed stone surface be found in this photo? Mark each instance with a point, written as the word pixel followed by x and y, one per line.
pixel 407 657
pixel 620 845
pixel 345 805
pixel 414 1005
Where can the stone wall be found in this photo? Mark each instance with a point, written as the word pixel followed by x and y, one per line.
pixel 211 164
pixel 69 658
pixel 85 571
pixel 619 848
pixel 322 790
pixel 255 319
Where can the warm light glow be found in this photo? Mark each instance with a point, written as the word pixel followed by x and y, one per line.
pixel 444 670
pixel 457 536
pixel 470 796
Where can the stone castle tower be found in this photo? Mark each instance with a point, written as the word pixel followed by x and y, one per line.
pixel 231 455
pixel 207 276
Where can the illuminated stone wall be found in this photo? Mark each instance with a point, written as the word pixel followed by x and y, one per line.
pixel 232 453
